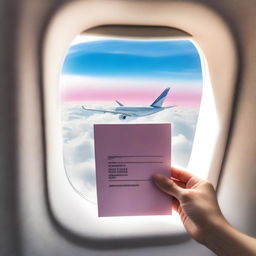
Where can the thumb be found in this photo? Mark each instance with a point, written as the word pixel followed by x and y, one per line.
pixel 167 185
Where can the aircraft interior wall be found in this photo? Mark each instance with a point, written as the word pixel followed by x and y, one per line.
pixel 27 227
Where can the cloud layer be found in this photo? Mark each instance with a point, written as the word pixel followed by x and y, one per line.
pixel 78 144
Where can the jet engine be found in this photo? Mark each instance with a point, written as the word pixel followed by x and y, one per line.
pixel 122 117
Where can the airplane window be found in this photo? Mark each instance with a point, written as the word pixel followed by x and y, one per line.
pixel 102 78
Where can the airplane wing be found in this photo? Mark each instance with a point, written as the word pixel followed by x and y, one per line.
pixel 107 111
pixel 171 106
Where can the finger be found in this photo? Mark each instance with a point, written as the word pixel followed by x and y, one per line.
pixel 179 183
pixel 167 185
pixel 175 204
pixel 181 175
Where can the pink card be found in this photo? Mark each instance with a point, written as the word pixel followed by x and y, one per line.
pixel 126 156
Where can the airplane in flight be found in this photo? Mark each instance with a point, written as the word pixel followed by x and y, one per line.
pixel 126 111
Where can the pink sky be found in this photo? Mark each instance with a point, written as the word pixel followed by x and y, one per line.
pixel 131 96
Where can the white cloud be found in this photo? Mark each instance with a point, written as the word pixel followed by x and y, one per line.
pixel 83 82
pixel 79 150
pixel 182 147
pixel 179 140
pixel 78 144
pixel 82 178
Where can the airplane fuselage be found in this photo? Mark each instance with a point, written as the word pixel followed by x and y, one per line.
pixel 139 111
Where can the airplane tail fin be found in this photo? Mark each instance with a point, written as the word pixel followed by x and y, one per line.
pixel 119 103
pixel 160 99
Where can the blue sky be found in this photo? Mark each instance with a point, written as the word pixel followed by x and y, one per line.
pixel 164 60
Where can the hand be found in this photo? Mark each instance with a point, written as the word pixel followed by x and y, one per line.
pixel 194 199
pixel 196 202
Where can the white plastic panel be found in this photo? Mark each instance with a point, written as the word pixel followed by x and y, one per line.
pixel 69 209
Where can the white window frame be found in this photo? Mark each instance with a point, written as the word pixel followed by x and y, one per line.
pixel 212 37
